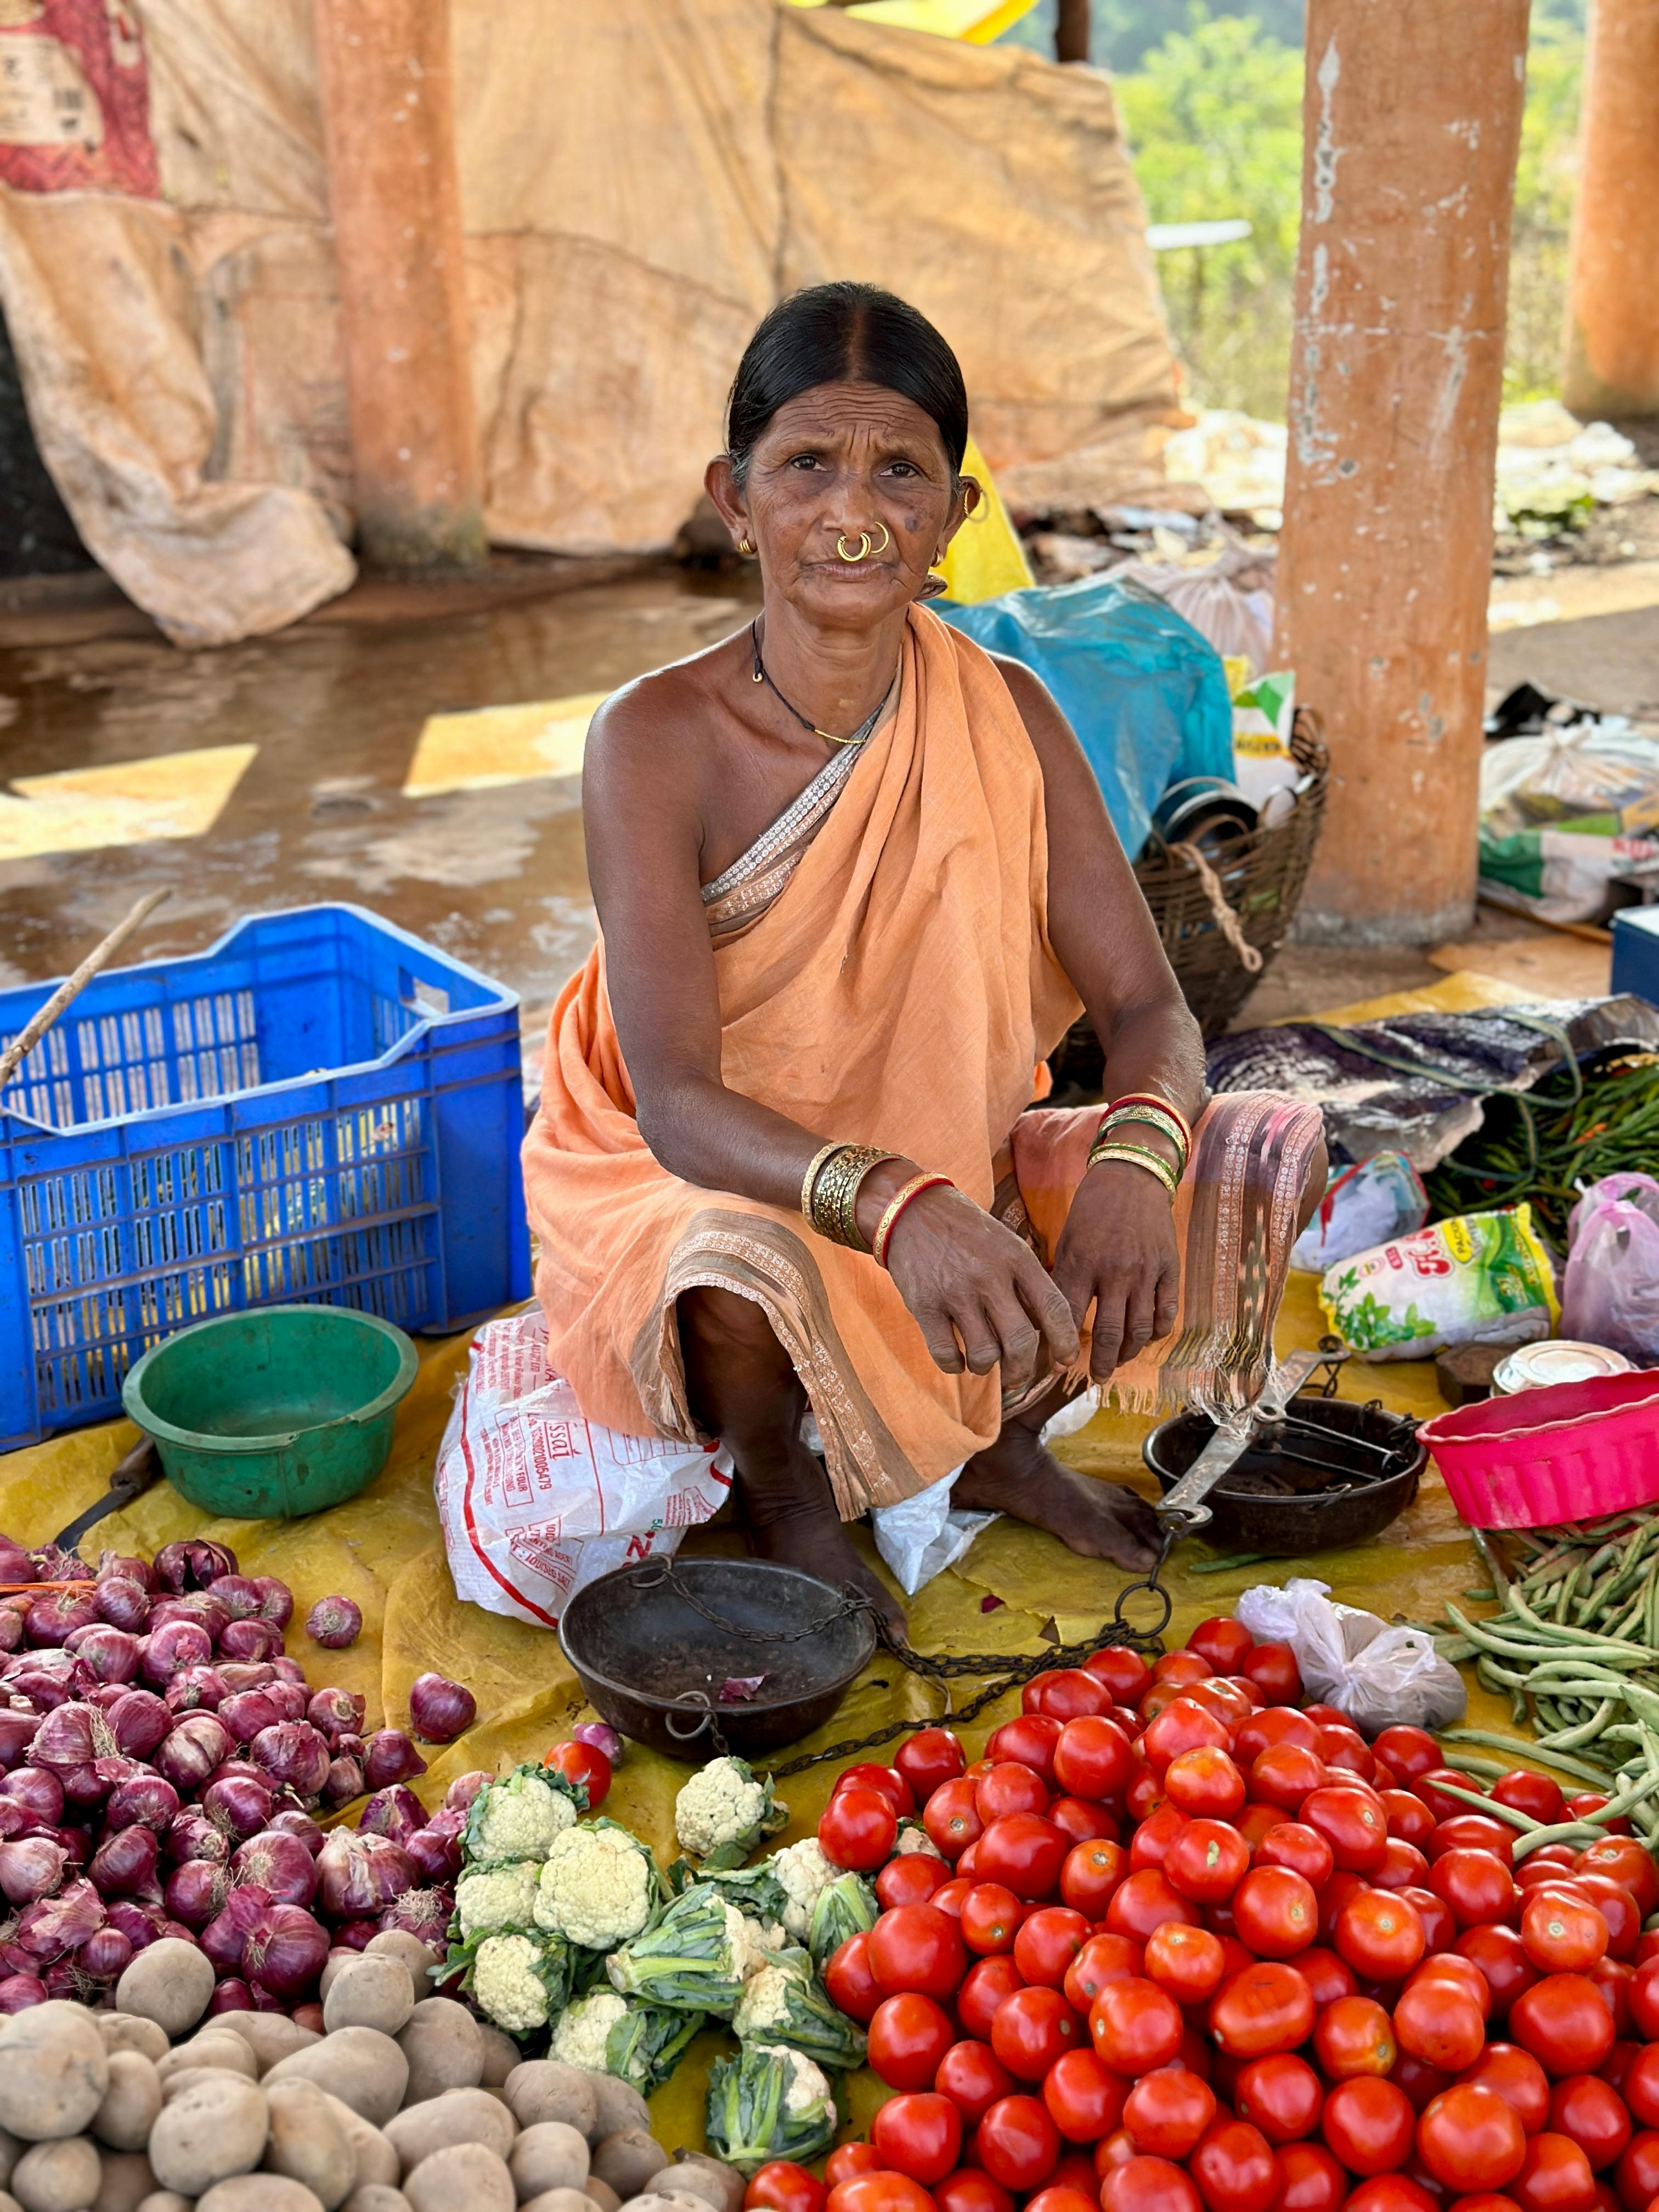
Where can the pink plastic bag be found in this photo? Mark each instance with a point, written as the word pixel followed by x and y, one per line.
pixel 1610 1294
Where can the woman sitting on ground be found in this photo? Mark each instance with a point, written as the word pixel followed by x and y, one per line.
pixel 855 880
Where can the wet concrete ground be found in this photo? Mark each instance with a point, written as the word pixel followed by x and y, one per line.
pixel 336 706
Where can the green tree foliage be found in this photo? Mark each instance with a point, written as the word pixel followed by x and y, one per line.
pixel 1212 106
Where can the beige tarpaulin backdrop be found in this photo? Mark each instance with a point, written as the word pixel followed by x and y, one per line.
pixel 641 180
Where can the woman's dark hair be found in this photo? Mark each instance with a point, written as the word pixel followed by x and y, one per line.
pixel 844 333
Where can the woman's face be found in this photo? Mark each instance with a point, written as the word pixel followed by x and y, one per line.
pixel 841 462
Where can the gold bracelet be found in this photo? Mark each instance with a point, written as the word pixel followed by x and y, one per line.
pixel 836 1194
pixel 1147 1098
pixel 1141 1157
pixel 819 1161
pixel 1153 1117
pixel 895 1205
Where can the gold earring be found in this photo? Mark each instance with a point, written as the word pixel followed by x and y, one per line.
pixel 745 547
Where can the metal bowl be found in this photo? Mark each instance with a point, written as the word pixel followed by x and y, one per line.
pixel 1326 1516
pixel 653 1665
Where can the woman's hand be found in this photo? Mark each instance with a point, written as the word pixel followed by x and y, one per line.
pixel 980 1296
pixel 1117 1253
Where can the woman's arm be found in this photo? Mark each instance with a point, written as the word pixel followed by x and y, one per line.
pixel 978 1294
pixel 1118 1251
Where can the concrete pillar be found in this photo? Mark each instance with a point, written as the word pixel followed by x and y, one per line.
pixel 384 66
pixel 1412 117
pixel 1612 364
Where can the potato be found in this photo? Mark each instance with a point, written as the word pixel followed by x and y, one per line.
pixel 126 2180
pixel 559 2200
pixel 459 2116
pixel 602 2194
pixel 616 2104
pixel 466 2178
pixel 370 1993
pixel 61 2176
pixel 307 2143
pixel 543 2089
pixel 214 2046
pixel 215 2128
pixel 131 2103
pixel 691 2173
pixel 188 2077
pixel 419 1958
pixel 359 2065
pixel 443 2047
pixel 500 2053
pixel 661 2200
pixel 54 2071
pixel 630 2161
pixel 169 1982
pixel 375 2196
pixel 259 2192
pixel 269 2035
pixel 550 2155
pixel 374 2163
pixel 125 2030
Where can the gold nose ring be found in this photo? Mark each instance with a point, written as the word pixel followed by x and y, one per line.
pixel 863 552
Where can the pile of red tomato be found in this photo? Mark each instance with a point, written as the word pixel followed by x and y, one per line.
pixel 1192 1948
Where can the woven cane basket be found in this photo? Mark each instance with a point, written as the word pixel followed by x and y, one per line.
pixel 1260 874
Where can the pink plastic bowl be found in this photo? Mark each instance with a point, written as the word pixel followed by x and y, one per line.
pixel 1568 1452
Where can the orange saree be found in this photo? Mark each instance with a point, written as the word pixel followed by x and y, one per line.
pixel 886 977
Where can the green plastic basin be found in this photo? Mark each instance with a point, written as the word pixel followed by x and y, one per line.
pixel 281 1410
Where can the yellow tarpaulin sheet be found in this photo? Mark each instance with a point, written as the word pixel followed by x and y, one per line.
pixel 384 1551
pixel 985 556
pixel 978 22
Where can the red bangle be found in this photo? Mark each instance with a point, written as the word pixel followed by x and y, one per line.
pixel 1145 1098
pixel 889 1222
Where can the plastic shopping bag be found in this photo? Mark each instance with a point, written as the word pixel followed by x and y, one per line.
pixel 1350 1659
pixel 1610 1291
pixel 1382 1197
pixel 918 1537
pixel 535 1501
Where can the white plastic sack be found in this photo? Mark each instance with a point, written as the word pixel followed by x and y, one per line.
pixel 921 1536
pixel 1610 1293
pixel 535 1501
pixel 1382 1198
pixel 1349 1659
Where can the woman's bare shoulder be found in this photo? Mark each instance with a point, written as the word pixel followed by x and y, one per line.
pixel 660 719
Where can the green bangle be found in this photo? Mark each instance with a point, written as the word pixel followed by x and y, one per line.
pixel 1142 1157
pixel 1153 1117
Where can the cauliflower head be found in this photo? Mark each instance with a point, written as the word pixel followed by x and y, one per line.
pixel 584 2029
pixel 765 2001
pixel 754 1943
pixel 723 1811
pixel 517 1817
pixel 809 2085
pixel 596 1886
pixel 803 1871
pixel 913 1837
pixel 507 1981
pixel 497 1898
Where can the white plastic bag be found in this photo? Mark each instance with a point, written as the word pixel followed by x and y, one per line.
pixel 921 1536
pixel 1381 1197
pixel 535 1501
pixel 1349 1659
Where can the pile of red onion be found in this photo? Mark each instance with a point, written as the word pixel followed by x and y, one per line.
pixel 160 1762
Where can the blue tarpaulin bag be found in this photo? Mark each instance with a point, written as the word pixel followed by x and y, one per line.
pixel 1146 695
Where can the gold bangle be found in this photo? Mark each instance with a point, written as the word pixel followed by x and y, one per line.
pixel 1151 1117
pixel 835 1192
pixel 1142 1157
pixel 1147 1099
pixel 819 1161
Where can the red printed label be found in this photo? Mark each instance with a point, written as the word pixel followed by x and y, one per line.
pixel 74 99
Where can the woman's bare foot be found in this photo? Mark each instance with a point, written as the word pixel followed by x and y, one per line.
pixel 794 1523
pixel 745 1390
pixel 1101 1520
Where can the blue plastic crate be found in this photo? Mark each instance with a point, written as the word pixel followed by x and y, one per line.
pixel 321 1107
